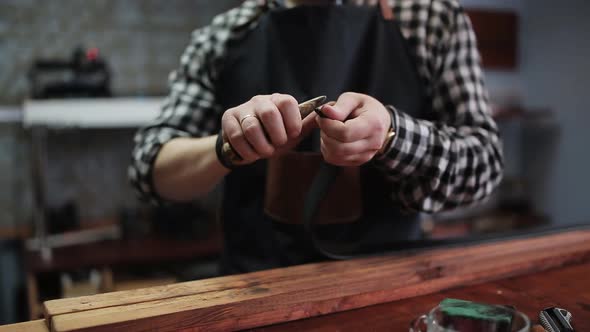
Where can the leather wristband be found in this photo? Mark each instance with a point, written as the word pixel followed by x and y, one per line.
pixel 219 152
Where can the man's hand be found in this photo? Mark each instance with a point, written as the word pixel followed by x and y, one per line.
pixel 265 126
pixel 354 129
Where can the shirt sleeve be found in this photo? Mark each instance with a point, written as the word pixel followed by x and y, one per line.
pixel 190 109
pixel 456 159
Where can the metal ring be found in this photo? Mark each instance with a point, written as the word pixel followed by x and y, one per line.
pixel 245 117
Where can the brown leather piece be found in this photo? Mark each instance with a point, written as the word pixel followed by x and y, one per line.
pixel 287 183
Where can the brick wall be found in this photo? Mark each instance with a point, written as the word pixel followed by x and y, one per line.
pixel 141 39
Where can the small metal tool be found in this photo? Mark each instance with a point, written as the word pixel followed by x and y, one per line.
pixel 305 108
pixel 556 320
pixel 311 105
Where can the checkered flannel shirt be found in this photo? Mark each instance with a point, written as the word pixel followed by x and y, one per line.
pixel 454 160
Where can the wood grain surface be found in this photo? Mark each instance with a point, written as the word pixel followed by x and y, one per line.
pixel 566 288
pixel 123 252
pixel 32 326
pixel 280 295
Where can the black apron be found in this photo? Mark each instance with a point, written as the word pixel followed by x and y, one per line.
pixel 307 51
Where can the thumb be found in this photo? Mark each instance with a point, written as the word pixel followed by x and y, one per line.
pixel 334 113
pixel 343 107
pixel 308 124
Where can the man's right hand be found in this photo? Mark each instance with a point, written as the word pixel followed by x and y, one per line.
pixel 265 126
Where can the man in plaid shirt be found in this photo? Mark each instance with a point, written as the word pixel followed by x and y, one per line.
pixel 446 155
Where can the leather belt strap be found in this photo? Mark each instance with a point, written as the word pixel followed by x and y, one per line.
pixel 318 190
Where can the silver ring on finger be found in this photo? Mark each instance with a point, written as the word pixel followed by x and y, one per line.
pixel 245 117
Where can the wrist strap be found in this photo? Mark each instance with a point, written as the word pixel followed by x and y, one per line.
pixel 219 152
pixel 390 134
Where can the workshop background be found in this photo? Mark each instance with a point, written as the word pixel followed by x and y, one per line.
pixel 541 105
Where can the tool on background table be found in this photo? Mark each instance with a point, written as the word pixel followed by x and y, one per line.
pixel 556 320
pixel 305 108
pixel 85 74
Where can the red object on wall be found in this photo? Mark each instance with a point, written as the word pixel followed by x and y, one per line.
pixel 497 37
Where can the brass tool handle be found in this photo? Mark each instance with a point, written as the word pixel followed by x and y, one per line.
pixel 305 108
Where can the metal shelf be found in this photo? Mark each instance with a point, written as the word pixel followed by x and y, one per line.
pixel 10 114
pixel 91 112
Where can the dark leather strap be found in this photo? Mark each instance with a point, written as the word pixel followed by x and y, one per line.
pixel 319 188
pixel 218 151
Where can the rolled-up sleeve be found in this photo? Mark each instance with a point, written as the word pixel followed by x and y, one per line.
pixel 190 109
pixel 456 158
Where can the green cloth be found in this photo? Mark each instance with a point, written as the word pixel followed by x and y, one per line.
pixel 478 311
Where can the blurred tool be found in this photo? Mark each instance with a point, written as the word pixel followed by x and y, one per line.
pixel 85 74
pixel 556 320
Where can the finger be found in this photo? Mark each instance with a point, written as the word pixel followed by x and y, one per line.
pixel 289 109
pixel 346 104
pixel 359 159
pixel 349 131
pixel 252 129
pixel 355 160
pixel 233 132
pixel 271 119
pixel 340 149
pixel 351 160
pixel 308 124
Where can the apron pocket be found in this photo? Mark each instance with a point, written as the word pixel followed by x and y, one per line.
pixel 287 183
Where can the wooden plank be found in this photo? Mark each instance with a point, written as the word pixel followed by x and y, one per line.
pixel 15 232
pixel 35 311
pixel 564 287
pixel 122 295
pixel 267 297
pixel 57 307
pixel 119 252
pixel 32 326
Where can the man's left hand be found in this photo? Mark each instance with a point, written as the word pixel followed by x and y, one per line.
pixel 353 130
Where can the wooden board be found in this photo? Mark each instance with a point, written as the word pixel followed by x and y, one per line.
pixel 32 326
pixel 268 297
pixel 565 287
pixel 123 252
pixel 16 232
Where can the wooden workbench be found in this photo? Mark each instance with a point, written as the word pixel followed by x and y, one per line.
pixel 566 287
pixel 382 293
